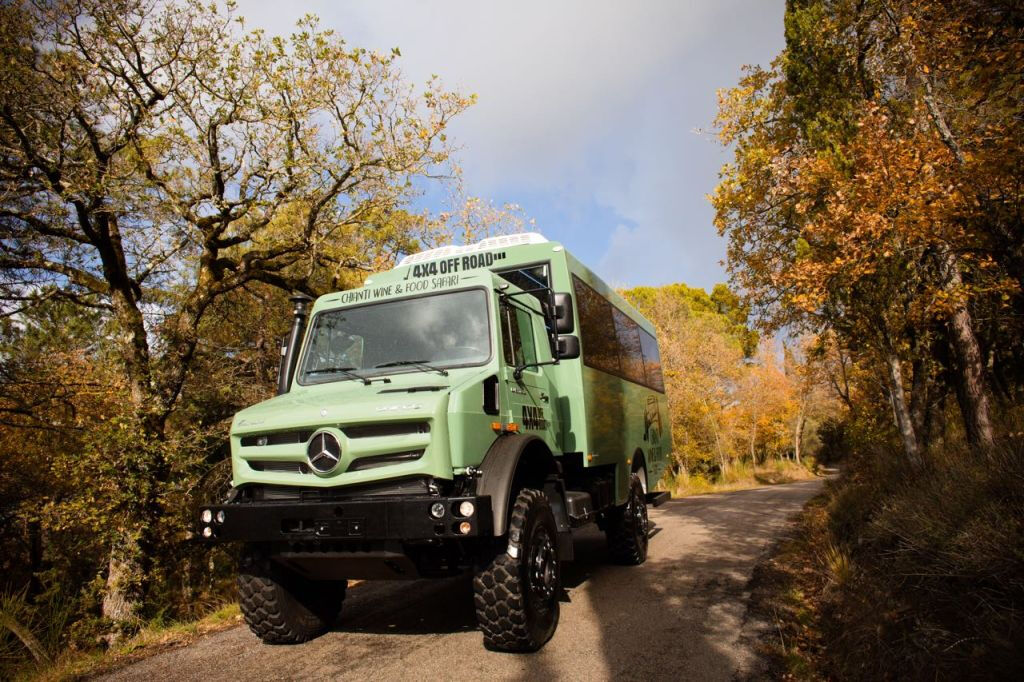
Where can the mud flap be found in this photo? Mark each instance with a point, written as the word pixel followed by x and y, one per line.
pixel 658 499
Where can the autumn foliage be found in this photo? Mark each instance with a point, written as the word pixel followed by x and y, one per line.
pixel 735 400
pixel 875 200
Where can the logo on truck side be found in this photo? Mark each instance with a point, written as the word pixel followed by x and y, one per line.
pixel 323 452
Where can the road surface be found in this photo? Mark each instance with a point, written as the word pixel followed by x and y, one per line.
pixel 681 615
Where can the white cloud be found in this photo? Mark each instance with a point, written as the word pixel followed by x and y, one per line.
pixel 582 101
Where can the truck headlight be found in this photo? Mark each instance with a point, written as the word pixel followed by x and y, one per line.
pixel 206 516
pixel 466 508
pixel 207 532
pixel 437 510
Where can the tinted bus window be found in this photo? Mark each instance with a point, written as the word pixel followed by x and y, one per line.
pixel 597 329
pixel 631 358
pixel 652 361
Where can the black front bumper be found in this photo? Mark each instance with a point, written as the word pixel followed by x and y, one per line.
pixel 402 518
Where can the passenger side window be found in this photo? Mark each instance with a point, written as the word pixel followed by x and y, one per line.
pixel 652 361
pixel 517 339
pixel 597 329
pixel 630 353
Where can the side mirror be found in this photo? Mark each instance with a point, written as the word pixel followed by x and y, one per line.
pixel 564 323
pixel 568 347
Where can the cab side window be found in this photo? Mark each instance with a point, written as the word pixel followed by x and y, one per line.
pixel 517 339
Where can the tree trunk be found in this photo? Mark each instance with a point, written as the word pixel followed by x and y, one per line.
pixel 974 405
pixel 753 440
pixel 798 434
pixel 121 599
pixel 901 411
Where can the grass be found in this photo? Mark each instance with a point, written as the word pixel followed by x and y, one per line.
pixel 154 637
pixel 742 476
pixel 894 573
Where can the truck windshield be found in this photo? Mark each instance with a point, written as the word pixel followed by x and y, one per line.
pixel 441 330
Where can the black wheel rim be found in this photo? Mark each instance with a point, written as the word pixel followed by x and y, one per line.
pixel 640 521
pixel 542 566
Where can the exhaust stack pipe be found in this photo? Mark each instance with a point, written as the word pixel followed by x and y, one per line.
pixel 290 347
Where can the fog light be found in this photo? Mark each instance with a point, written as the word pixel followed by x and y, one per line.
pixel 437 510
pixel 465 527
pixel 206 516
pixel 207 532
pixel 466 508
pixel 220 516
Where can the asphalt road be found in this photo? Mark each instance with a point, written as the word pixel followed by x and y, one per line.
pixel 680 616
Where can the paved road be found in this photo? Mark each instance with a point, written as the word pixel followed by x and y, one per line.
pixel 679 616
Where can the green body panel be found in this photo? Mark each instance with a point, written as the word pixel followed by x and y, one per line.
pixel 586 413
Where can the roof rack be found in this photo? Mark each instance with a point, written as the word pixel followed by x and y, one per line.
pixel 482 245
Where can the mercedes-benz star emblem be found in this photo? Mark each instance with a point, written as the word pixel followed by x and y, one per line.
pixel 323 452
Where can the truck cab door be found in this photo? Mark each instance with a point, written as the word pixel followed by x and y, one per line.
pixel 523 340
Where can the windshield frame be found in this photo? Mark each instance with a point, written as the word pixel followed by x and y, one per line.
pixel 409 369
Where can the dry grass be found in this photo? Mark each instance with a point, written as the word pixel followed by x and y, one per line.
pixel 742 476
pixel 151 639
pixel 901 574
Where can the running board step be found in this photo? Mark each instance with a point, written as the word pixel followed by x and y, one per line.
pixel 658 499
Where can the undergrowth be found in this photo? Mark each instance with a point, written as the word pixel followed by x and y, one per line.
pixel 742 476
pixel 902 574
pixel 155 635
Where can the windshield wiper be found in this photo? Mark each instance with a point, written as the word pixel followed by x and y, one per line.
pixel 347 371
pixel 419 364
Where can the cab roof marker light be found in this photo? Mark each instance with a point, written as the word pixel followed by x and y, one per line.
pixel 482 245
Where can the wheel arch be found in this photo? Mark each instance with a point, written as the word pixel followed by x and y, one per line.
pixel 513 462
pixel 640 461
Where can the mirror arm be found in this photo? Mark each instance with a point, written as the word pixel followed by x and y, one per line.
pixel 518 371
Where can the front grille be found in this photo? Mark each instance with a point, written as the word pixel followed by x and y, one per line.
pixel 386 429
pixel 284 493
pixel 376 461
pixel 279 438
pixel 279 467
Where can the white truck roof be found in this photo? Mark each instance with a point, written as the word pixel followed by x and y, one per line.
pixel 482 245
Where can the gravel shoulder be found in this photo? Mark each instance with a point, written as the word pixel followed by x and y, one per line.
pixel 681 614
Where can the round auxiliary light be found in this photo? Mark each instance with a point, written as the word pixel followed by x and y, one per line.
pixel 466 508
pixel 206 516
pixel 465 527
pixel 207 532
pixel 220 516
pixel 437 510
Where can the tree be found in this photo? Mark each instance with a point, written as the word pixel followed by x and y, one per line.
pixel 853 206
pixel 153 161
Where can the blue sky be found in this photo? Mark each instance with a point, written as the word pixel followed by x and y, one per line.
pixel 595 117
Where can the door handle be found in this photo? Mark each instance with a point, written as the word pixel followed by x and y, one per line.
pixel 544 397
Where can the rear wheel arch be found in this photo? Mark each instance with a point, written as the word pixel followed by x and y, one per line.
pixel 640 465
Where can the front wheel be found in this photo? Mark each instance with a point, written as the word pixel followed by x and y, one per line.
pixel 516 597
pixel 628 527
pixel 283 608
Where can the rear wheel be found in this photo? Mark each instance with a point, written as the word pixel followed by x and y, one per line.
pixel 280 607
pixel 628 526
pixel 517 597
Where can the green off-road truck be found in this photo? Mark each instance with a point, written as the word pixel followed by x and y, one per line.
pixel 464 411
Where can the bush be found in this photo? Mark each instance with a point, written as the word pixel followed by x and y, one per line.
pixel 932 566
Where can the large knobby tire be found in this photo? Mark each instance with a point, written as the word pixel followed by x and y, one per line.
pixel 628 527
pixel 283 608
pixel 517 598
